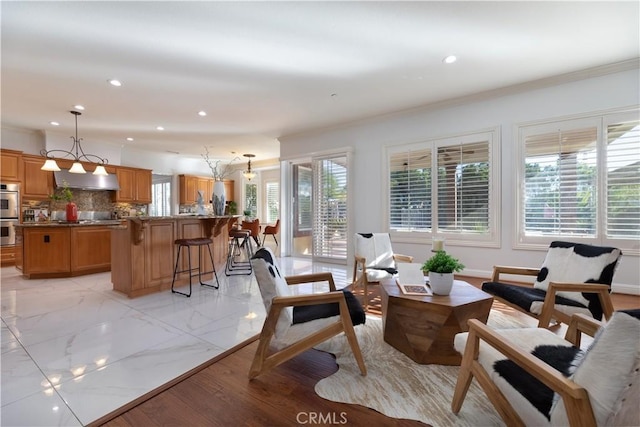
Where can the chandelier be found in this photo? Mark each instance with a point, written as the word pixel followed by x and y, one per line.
pixel 249 174
pixel 77 154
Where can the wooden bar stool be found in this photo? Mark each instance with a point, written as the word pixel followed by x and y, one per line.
pixel 238 240
pixel 187 243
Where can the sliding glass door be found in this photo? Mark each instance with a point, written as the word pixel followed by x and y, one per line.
pixel 320 208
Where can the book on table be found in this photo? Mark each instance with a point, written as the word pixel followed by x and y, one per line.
pixel 411 279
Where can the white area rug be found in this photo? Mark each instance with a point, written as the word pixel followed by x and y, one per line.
pixel 400 388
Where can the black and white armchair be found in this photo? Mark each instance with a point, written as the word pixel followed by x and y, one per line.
pixel 574 278
pixel 374 261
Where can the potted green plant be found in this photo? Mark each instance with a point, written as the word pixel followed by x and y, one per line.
pixel 441 267
pixel 65 194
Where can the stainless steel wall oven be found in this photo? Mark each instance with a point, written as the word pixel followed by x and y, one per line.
pixel 9 213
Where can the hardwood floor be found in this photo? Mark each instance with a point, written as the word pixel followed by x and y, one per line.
pixel 221 394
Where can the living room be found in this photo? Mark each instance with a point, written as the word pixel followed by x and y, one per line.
pixel 601 92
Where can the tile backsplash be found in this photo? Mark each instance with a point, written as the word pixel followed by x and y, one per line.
pixel 91 205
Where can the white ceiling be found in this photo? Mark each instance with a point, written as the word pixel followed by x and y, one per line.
pixel 262 70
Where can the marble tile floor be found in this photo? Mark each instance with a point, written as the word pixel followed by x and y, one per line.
pixel 74 350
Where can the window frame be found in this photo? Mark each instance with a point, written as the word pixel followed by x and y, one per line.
pixel 599 120
pixel 489 239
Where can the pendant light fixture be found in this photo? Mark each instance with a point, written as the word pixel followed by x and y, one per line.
pixel 249 174
pixel 77 154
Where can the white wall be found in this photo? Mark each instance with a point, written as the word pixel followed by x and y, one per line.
pixel 368 139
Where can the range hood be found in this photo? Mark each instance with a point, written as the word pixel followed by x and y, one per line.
pixel 86 181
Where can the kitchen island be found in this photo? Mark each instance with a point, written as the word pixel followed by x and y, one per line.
pixel 63 249
pixel 143 253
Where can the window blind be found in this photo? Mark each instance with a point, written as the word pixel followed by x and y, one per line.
pixel 330 203
pixel 273 202
pixel 560 183
pixel 464 188
pixel 623 180
pixel 410 190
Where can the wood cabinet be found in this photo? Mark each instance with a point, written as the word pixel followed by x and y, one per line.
pixel 36 183
pixel 62 251
pixel 190 184
pixel 135 185
pixel 143 254
pixel 229 189
pixel 7 255
pixel 10 165
pixel 90 249
pixel 46 250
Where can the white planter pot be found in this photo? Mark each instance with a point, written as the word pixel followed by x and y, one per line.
pixel 218 198
pixel 440 283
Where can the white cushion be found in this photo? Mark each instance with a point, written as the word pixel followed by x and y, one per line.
pixel 376 250
pixel 569 310
pixel 272 284
pixel 607 368
pixel 564 264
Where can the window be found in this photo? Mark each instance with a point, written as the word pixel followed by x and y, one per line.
pixel 251 200
pixel 273 202
pixel 447 188
pixel 580 180
pixel 160 196
pixel 330 208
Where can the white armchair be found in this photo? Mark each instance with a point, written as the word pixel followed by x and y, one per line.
pixel 374 261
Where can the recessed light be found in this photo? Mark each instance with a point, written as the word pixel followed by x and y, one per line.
pixel 159 128
pixel 54 123
pixel 78 107
pixel 202 113
pixel 114 82
pixel 129 139
pixel 450 59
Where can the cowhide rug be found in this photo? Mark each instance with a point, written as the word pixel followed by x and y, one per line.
pixel 398 387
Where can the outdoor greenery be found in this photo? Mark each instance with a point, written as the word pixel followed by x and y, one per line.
pixel 442 262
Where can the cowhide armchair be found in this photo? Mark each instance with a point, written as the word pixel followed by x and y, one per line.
pixel 296 323
pixel 533 377
pixel 574 278
pixel 374 261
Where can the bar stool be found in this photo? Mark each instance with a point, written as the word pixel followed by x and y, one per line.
pixel 187 243
pixel 239 239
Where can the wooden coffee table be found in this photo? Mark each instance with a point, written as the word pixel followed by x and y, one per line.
pixel 423 327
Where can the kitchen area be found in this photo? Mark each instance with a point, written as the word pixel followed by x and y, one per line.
pixel 43 239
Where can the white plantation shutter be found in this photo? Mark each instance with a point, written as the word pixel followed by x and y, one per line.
pixel 273 202
pixel 623 180
pixel 410 191
pixel 330 208
pixel 464 188
pixel 560 183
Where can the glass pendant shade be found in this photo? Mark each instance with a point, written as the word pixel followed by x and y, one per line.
pixel 249 175
pixel 100 170
pixel 77 168
pixel 50 165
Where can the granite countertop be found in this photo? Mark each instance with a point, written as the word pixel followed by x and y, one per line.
pixel 179 216
pixel 81 223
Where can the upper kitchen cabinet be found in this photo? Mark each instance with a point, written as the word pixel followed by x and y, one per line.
pixel 135 185
pixel 36 183
pixel 10 165
pixel 189 186
pixel 229 188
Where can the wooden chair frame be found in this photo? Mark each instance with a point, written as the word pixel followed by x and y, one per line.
pixel 548 308
pixel 362 280
pixel 264 361
pixel 575 397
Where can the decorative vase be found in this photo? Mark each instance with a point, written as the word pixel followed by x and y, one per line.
pixel 440 283
pixel 72 212
pixel 219 198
